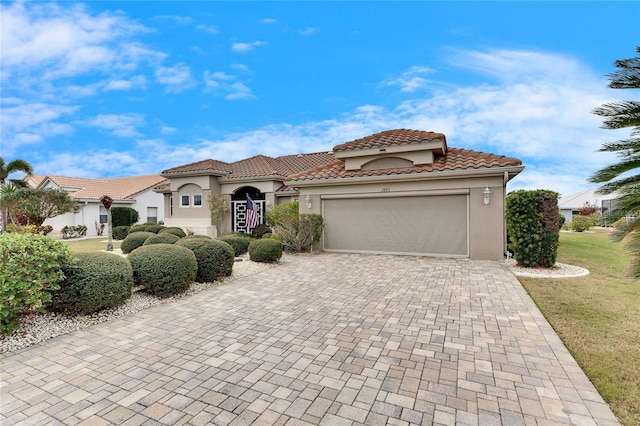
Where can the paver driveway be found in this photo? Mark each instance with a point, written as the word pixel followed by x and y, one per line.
pixel 325 339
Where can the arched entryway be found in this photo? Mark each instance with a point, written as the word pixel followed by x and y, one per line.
pixel 244 219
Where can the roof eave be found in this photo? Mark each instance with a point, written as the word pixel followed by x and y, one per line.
pixel 230 179
pixel 190 173
pixel 432 175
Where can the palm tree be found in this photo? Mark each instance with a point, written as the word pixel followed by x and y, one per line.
pixel 620 115
pixel 13 166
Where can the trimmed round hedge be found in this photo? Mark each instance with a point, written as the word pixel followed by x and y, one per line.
pixel 155 228
pixel 178 232
pixel 265 250
pixel 240 244
pixel 161 238
pixel 215 257
pixel 93 282
pixel 163 269
pixel 138 228
pixel 120 232
pixel 197 236
pixel 134 240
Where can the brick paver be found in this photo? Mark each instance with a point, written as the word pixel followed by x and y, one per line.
pixel 324 339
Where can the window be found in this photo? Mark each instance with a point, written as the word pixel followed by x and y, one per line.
pixel 152 214
pixel 171 206
pixel 197 200
pixel 184 200
pixel 103 215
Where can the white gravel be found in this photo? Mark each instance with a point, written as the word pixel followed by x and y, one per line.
pixel 36 328
pixel 559 270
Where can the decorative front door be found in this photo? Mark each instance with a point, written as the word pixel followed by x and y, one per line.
pixel 239 218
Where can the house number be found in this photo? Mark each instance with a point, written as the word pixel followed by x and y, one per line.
pixel 385 189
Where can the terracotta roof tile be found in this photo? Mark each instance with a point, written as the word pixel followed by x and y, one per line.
pixel 455 159
pixel 390 137
pixel 256 166
pixel 214 166
pixel 116 188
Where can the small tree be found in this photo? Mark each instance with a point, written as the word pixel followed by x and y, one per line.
pixel 38 205
pixel 587 209
pixel 218 207
pixel 298 232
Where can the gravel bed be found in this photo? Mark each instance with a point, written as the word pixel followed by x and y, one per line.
pixel 36 328
pixel 559 270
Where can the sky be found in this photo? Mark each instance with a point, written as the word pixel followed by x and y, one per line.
pixel 114 89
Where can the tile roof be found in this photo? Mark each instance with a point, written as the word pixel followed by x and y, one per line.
pixel 390 137
pixel 455 159
pixel 214 166
pixel 256 166
pixel 117 188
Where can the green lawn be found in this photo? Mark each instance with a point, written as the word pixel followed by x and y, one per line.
pixel 90 244
pixel 597 317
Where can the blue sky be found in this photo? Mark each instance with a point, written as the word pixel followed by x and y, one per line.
pixel 110 89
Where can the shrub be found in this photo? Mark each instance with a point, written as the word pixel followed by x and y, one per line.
pixel 265 250
pixel 178 232
pixel 44 229
pixel 260 230
pixel 163 269
pixel 30 267
pixel 94 281
pixel 120 232
pixel 123 216
pixel 139 228
pixel 270 236
pixel 583 223
pixel 240 244
pixel 74 231
pixel 161 239
pixel 155 228
pixel 533 226
pixel 204 237
pixel 134 240
pixel 215 257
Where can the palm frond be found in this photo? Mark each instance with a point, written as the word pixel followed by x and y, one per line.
pixel 620 114
pixel 611 172
pixel 628 75
pixel 631 145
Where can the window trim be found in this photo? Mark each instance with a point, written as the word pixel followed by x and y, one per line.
pixel 182 198
pixel 193 201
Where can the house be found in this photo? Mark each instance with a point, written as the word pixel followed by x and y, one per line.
pixel 571 205
pixel 135 192
pixel 398 191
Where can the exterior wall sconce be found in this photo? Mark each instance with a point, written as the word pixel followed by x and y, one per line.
pixel 307 201
pixel 486 196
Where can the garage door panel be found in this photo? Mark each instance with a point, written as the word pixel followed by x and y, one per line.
pixel 422 224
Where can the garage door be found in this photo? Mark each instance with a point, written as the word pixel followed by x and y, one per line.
pixel 426 225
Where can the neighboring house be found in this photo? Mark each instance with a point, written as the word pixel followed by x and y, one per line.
pixel 397 192
pixel 571 205
pixel 136 192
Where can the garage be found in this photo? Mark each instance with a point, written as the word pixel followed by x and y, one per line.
pixel 433 225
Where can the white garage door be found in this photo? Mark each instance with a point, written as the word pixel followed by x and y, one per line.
pixel 426 225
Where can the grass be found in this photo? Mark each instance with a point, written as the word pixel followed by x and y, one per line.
pixel 90 244
pixel 597 317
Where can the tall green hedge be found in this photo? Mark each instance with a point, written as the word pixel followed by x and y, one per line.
pixel 533 225
pixel 30 268
pixel 123 216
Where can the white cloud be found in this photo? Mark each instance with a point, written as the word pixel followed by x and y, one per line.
pixel 177 19
pixel 211 29
pixel 268 21
pixel 168 130
pixel 410 80
pixel 44 40
pixel 135 82
pixel 246 47
pixel 241 67
pixel 307 31
pixel 176 78
pixel 227 85
pixel 123 125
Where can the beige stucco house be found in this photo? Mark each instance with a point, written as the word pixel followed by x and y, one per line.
pixel 398 191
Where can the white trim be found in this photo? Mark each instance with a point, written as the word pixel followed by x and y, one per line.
pixel 193 201
pixel 426 193
pixel 185 206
